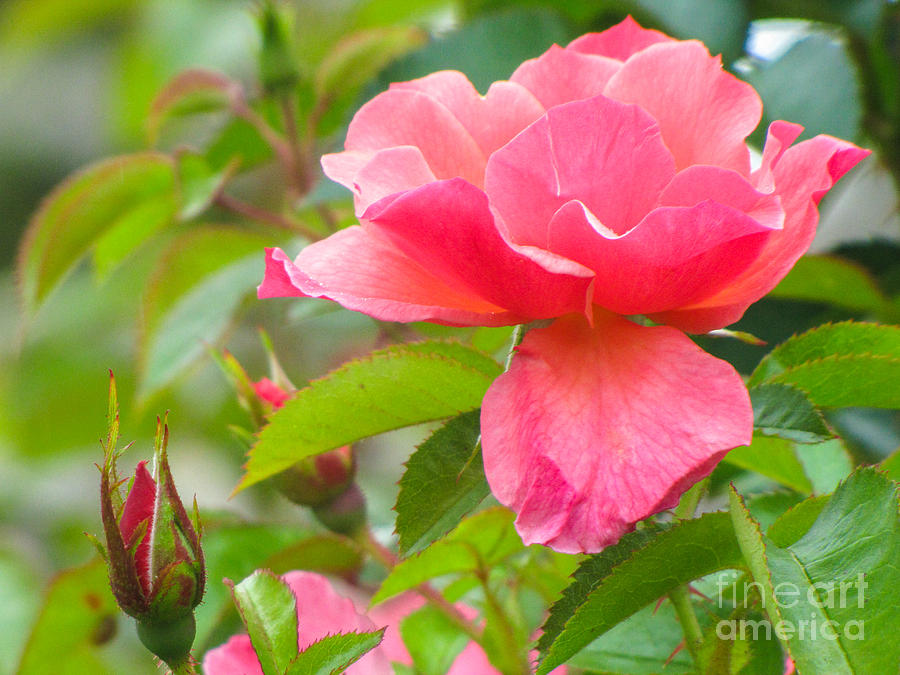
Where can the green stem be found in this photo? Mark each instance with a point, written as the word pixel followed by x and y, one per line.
pixel 506 629
pixel 681 595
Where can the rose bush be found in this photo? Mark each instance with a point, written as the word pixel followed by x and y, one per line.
pixel 322 611
pixel 604 180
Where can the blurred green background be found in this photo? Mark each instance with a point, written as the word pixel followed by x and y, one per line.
pixel 77 78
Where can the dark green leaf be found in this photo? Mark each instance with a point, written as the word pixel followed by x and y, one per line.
pixel 892 466
pixel 269 612
pixel 77 610
pixel 782 410
pixel 684 552
pixel 333 654
pixel 774 458
pixel 720 24
pixel 842 574
pixel 822 278
pixel 82 209
pixel 480 541
pixel 389 389
pixel 444 481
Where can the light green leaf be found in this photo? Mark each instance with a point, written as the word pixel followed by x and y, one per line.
pixel 194 89
pixel 269 612
pixel 826 464
pixel 326 553
pixel 444 480
pixel 479 542
pixel 774 458
pixel 191 296
pixel 796 521
pixel 333 654
pixel 198 183
pixel 892 466
pixel 839 365
pixel 79 211
pixel 839 282
pixel 79 612
pixel 784 88
pixel 389 389
pixel 842 574
pixel 784 411
pixel 635 577
pixel 129 232
pixel 433 640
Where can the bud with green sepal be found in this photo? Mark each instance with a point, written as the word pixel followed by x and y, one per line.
pixel 156 568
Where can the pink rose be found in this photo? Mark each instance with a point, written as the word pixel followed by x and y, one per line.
pixel 606 179
pixel 322 611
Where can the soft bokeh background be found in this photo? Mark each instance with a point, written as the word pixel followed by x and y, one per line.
pixel 76 81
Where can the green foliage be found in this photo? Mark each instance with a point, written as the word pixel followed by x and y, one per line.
pixel 782 410
pixel 389 389
pixel 843 364
pixel 627 581
pixel 79 614
pixel 774 458
pixel 478 543
pixel 841 573
pixel 334 653
pixel 832 280
pixel 444 480
pixel 433 640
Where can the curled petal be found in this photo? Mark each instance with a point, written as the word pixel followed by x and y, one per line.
pixel 375 175
pixel 365 272
pixel 408 117
pixel 799 175
pixel 594 429
pixel 448 227
pixel 608 155
pixel 139 508
pixel 704 113
pixel 563 75
pixel 620 41
pixel 492 119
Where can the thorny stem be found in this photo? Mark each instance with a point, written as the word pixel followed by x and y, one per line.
pixel 265 216
pixel 387 558
pixel 680 596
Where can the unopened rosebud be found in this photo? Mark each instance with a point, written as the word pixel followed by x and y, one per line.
pixel 318 479
pixel 156 568
pixel 345 514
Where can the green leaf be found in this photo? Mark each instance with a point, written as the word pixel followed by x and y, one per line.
pixel 326 553
pixel 433 640
pixel 826 464
pixel 796 521
pixel 83 208
pixel 839 365
pixel 839 282
pixel 389 389
pixel 192 90
pixel 78 614
pixel 633 579
pixel 444 480
pixel 774 458
pixel 129 232
pixel 480 541
pixel 891 466
pixel 842 574
pixel 198 183
pixel 195 287
pixel 269 612
pixel 784 88
pixel 334 653
pixel 784 411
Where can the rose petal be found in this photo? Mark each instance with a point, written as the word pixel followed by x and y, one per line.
pixel 563 75
pixel 704 112
pixel 406 117
pixel 139 507
pixel 620 41
pixel 594 429
pixel 365 272
pixel 675 256
pixel 801 174
pixel 235 657
pixel 448 227
pixel 606 154
pixel 492 120
pixel 373 176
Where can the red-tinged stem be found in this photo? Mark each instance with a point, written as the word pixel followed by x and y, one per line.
pixel 265 216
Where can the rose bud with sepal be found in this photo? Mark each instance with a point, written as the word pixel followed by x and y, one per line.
pixel 156 567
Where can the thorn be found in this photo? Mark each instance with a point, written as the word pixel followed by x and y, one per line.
pixel 674 653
